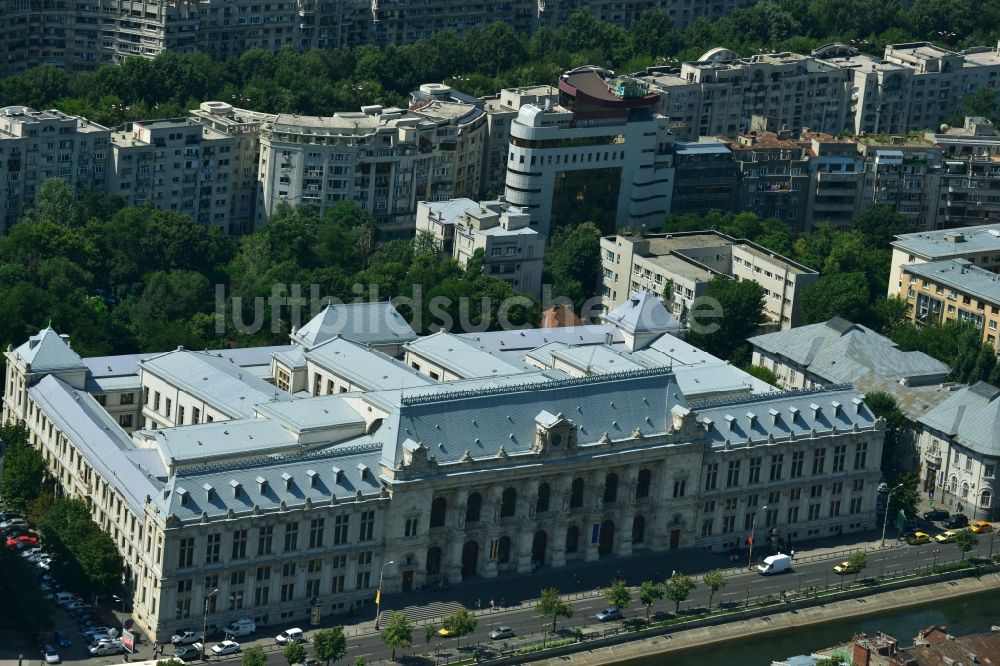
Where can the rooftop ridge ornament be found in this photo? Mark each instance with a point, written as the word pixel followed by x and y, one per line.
pixel 249 463
pixel 443 396
pixel 762 397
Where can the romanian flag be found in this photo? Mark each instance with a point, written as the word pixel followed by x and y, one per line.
pixel 378 596
pixel 750 540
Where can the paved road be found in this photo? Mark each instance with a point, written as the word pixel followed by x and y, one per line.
pixel 813 566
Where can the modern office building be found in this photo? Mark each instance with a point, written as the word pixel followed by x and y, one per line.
pixel 38 145
pixel 980 245
pixel 601 154
pixel 512 251
pixel 953 289
pixel 501 111
pixel 686 262
pixel 288 501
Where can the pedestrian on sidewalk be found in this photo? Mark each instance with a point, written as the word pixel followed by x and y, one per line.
pixel 503 603
pixel 479 604
pixel 492 605
pixel 577 576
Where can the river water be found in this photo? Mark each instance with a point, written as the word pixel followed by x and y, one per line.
pixel 966 615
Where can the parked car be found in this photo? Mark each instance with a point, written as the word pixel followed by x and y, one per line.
pixel 49 655
pixel 484 653
pixel 107 648
pixel 957 521
pixel 609 614
pixel 188 652
pixel 241 627
pixel 186 637
pixel 844 567
pixel 290 636
pixel 65 598
pixel 225 647
pixel 501 632
pixel 77 605
pixel 61 638
pixel 918 538
pixel 13 522
pixel 14 541
pixel 981 527
pixel 936 514
pixel 946 537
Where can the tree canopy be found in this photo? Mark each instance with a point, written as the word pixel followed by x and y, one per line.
pixel 730 312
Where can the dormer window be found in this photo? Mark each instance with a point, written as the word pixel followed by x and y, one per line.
pixel 209 492
pixel 836 408
pixel 775 416
pixel 365 472
pixel 237 488
pixel 338 474
pixel 262 482
pixel 313 478
pixel 816 410
pixel 183 494
pixel 753 419
pixel 288 480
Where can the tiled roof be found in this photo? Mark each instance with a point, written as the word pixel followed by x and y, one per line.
pixel 971 416
pixel 48 352
pixel 838 351
pixel 211 378
pixel 367 323
pixel 97 437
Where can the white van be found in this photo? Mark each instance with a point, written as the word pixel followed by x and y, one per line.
pixel 241 627
pixel 775 564
pixel 290 636
pixel 65 598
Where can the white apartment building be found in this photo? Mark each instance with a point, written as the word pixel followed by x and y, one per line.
pixel 688 261
pixel 980 245
pixel 384 159
pixel 38 145
pixel 177 164
pixel 512 251
pixel 601 154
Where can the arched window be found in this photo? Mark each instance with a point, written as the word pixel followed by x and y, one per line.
pixel 986 498
pixel 542 505
pixel 473 507
pixel 638 529
pixel 610 487
pixel 953 485
pixel 433 560
pixel 572 538
pixel 503 550
pixel 965 490
pixel 439 507
pixel 576 493
pixel 508 503
pixel 643 483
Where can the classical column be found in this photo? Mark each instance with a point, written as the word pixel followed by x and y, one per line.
pixel 625 512
pixel 593 496
pixel 526 524
pixel 454 522
pixel 488 563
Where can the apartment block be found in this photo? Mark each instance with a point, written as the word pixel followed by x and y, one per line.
pixel 836 179
pixel 600 154
pixel 969 177
pixel 953 289
pixel 384 159
pixel 979 245
pixel 512 251
pixel 38 145
pixel 687 261
pixel 706 177
pixel 904 173
pixel 773 177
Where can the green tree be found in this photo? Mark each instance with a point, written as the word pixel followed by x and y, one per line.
pixel 83 554
pixel 730 312
pixel 295 653
pixel 398 632
pixel 430 631
pixel 460 623
pixel 837 295
pixel 551 605
pixel 982 103
pixel 908 497
pixel 965 540
pixel 884 405
pixel 881 224
pixel 54 203
pixel 24 470
pixel 715 580
pixel 573 261
pixel 360 661
pixel 330 644
pixel 649 594
pixel 678 588
pixel 254 656
pixel 762 373
pixel 618 595
pixel 857 561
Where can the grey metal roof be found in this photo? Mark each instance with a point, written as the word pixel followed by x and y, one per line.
pixel 450 210
pixel 838 351
pixel 220 383
pixel 971 416
pixel 531 338
pixel 219 440
pixel 960 275
pixel 293 359
pixel 365 367
pixel 98 438
pixel 779 414
pixel 464 356
pixel 223 479
pixel 112 384
pixel 325 412
pixel 128 364
pixel 642 313
pixel 483 421
pixel 48 352
pixel 946 243
pixel 367 323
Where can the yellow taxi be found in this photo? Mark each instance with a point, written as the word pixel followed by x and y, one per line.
pixel 844 568
pixel 946 537
pixel 918 538
pixel 981 527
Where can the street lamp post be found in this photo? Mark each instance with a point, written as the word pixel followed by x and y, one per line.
pixel 753 526
pixel 204 621
pixel 121 599
pixel 378 594
pixel 885 518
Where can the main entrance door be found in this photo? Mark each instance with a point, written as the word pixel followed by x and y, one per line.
pixel 470 559
pixel 675 539
pixel 606 540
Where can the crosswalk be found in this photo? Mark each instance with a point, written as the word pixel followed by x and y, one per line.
pixel 431 611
